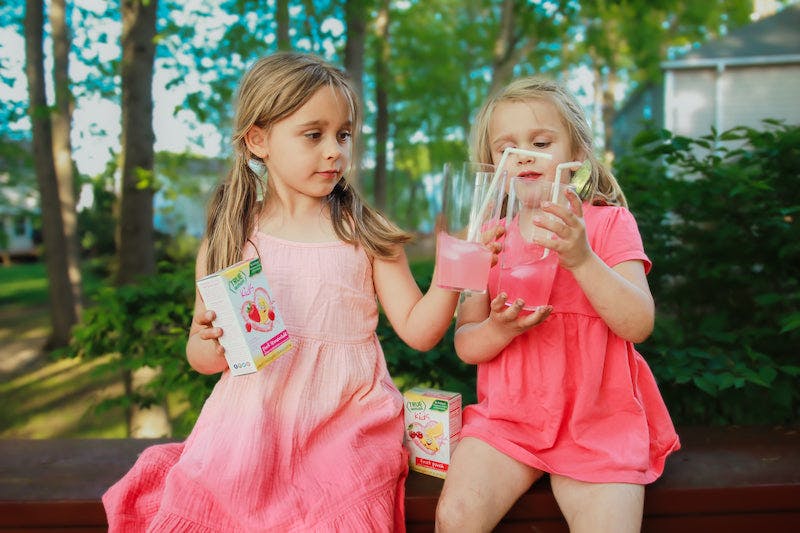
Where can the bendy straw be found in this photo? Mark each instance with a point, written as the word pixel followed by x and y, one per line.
pixel 571 165
pixel 492 190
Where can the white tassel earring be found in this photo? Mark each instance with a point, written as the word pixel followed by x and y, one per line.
pixel 257 166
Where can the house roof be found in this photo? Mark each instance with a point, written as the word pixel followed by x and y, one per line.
pixel 777 35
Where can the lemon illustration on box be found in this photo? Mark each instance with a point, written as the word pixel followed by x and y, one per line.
pixel 253 332
pixel 433 428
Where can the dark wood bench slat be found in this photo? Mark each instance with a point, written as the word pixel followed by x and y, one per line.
pixel 724 479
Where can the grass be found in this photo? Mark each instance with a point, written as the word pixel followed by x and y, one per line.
pixel 44 397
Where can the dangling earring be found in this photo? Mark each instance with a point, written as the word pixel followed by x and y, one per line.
pixel 257 166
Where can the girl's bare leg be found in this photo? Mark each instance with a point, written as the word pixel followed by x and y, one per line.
pixel 481 486
pixel 599 507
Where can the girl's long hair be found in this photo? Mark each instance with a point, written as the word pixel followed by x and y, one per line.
pixel 275 87
pixel 602 187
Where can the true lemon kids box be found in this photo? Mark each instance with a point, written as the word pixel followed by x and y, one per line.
pixel 253 333
pixel 433 427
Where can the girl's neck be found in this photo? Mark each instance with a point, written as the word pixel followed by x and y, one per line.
pixel 305 222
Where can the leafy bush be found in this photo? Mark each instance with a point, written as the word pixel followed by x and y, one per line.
pixel 146 325
pixel 719 218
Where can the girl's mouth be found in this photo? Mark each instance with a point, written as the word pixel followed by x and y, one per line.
pixel 529 174
pixel 330 174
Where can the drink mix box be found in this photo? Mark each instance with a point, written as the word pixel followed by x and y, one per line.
pixel 433 427
pixel 253 333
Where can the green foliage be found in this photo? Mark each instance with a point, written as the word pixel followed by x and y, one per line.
pixel 719 218
pixel 96 224
pixel 146 325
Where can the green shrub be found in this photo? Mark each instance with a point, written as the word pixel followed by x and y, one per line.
pixel 719 218
pixel 146 325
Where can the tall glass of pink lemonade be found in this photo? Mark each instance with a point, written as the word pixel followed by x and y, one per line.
pixel 462 258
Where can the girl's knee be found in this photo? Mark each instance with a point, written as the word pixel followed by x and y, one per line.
pixel 451 512
pixel 448 514
pixel 599 507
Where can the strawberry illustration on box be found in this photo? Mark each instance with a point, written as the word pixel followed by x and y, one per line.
pixel 258 313
pixel 433 428
pixel 253 331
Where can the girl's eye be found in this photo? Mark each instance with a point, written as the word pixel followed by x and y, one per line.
pixel 345 136
pixel 313 135
pixel 502 147
pixel 542 144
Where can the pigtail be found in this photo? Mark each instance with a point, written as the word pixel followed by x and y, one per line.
pixel 602 188
pixel 231 214
pixel 357 223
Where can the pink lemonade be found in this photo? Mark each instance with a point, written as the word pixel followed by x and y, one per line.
pixel 531 281
pixel 461 265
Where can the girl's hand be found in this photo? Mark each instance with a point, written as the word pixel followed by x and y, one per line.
pixel 510 318
pixel 570 239
pixel 202 327
pixel 489 239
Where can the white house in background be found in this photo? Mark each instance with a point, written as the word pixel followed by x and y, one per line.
pixel 180 207
pixel 17 208
pixel 750 74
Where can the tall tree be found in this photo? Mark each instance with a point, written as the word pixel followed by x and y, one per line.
pixel 355 15
pixel 382 81
pixel 62 146
pixel 282 24
pixel 135 231
pixel 136 251
pixel 63 310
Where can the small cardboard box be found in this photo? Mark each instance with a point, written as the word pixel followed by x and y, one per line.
pixel 433 428
pixel 253 333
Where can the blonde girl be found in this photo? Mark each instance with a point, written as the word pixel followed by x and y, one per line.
pixel 312 442
pixel 561 390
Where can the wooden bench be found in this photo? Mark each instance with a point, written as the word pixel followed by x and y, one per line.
pixel 724 479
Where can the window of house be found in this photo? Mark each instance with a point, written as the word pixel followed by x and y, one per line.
pixel 20 225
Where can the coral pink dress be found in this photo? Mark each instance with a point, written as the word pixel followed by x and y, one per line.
pixel 569 396
pixel 312 442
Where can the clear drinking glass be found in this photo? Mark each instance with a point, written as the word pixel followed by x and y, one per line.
pixel 462 258
pixel 526 269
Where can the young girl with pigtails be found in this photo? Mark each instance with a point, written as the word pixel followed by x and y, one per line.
pixel 314 440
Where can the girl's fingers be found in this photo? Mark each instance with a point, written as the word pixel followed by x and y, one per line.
pixel 538 316
pixel 499 303
pixel 576 206
pixel 205 318
pixel 210 333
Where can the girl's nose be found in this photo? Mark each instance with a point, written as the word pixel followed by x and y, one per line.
pixel 333 150
pixel 525 159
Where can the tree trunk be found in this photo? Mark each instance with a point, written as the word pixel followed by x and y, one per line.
pixel 509 48
pixel 282 22
pixel 608 112
pixel 63 314
pixel 382 104
pixel 62 147
pixel 135 231
pixel 355 20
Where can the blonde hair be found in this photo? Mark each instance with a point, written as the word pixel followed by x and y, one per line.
pixel 274 88
pixel 601 187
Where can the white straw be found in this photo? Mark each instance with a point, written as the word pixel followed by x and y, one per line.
pixel 572 165
pixel 493 185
